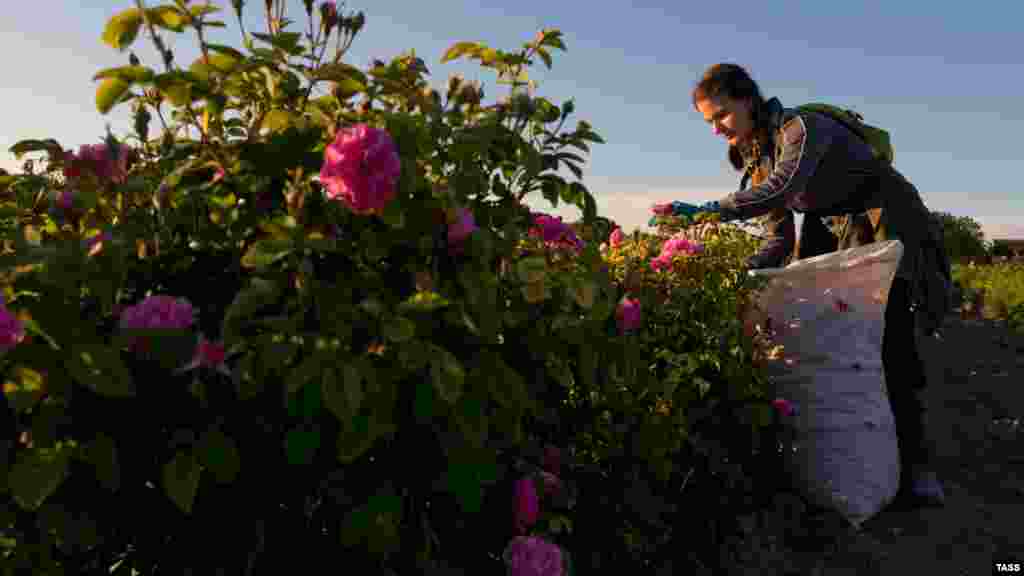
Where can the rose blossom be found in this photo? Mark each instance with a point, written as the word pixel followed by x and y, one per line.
pixel 526 505
pixel 463 226
pixel 554 232
pixel 98 159
pixel 158 311
pixel 361 168
pixel 531 556
pixel 785 407
pixel 628 315
pixel 616 238
pixel 12 330
pixel 209 355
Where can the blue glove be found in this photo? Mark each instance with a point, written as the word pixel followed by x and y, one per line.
pixel 684 209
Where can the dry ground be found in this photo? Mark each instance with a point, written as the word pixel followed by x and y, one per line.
pixel 976 401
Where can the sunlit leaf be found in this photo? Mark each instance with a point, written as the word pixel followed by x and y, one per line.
pixel 109 93
pixel 122 29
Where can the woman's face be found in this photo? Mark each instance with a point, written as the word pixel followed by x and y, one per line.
pixel 731 119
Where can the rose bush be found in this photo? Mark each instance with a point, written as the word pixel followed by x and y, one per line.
pixel 227 343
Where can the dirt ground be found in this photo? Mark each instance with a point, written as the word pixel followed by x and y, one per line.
pixel 976 404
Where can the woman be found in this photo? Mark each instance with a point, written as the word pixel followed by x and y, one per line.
pixel 809 163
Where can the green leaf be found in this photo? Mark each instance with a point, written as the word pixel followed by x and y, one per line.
pixel 285 41
pixel 109 93
pixel 423 403
pixel 703 386
pixel 553 38
pixel 24 390
pixel 277 121
pixel 25 146
pixel 342 73
pixel 181 480
pixel 122 29
pixel 507 386
pixel 399 329
pixel 169 17
pixel 307 370
pixel 394 215
pixel 259 294
pixel 221 456
pixel 264 253
pixel 102 454
pixel 100 368
pixel 545 56
pixel 356 438
pixel 226 50
pixel 531 270
pixel 460 49
pixel 203 10
pixel 301 445
pixel 37 474
pixel 353 386
pixel 424 302
pixel 343 397
pixel 447 374
pixel 464 483
pixel 126 73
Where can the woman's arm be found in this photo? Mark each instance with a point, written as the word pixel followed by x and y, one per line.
pixel 788 180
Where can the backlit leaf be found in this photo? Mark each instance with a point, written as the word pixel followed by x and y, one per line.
pixel 122 29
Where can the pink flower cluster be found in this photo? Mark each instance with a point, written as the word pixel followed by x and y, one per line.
pixel 159 311
pixel 12 330
pixel 554 232
pixel 99 160
pixel 627 315
pixel 616 237
pixel 675 246
pixel 532 556
pixel 361 169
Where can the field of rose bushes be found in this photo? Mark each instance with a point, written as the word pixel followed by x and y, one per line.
pixel 308 318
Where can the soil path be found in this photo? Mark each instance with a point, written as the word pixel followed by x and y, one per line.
pixel 976 403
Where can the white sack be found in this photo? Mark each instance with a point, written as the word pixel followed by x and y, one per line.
pixel 829 314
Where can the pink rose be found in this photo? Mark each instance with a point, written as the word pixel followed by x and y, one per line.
pixel 208 355
pixel 662 209
pixel 552 459
pixel 551 483
pixel 531 556
pixel 461 228
pixel 361 168
pixel 158 311
pixel 555 233
pixel 628 315
pixel 527 507
pixel 616 238
pixel 784 407
pixel 12 330
pixel 66 200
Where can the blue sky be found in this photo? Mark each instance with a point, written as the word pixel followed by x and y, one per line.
pixel 946 79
